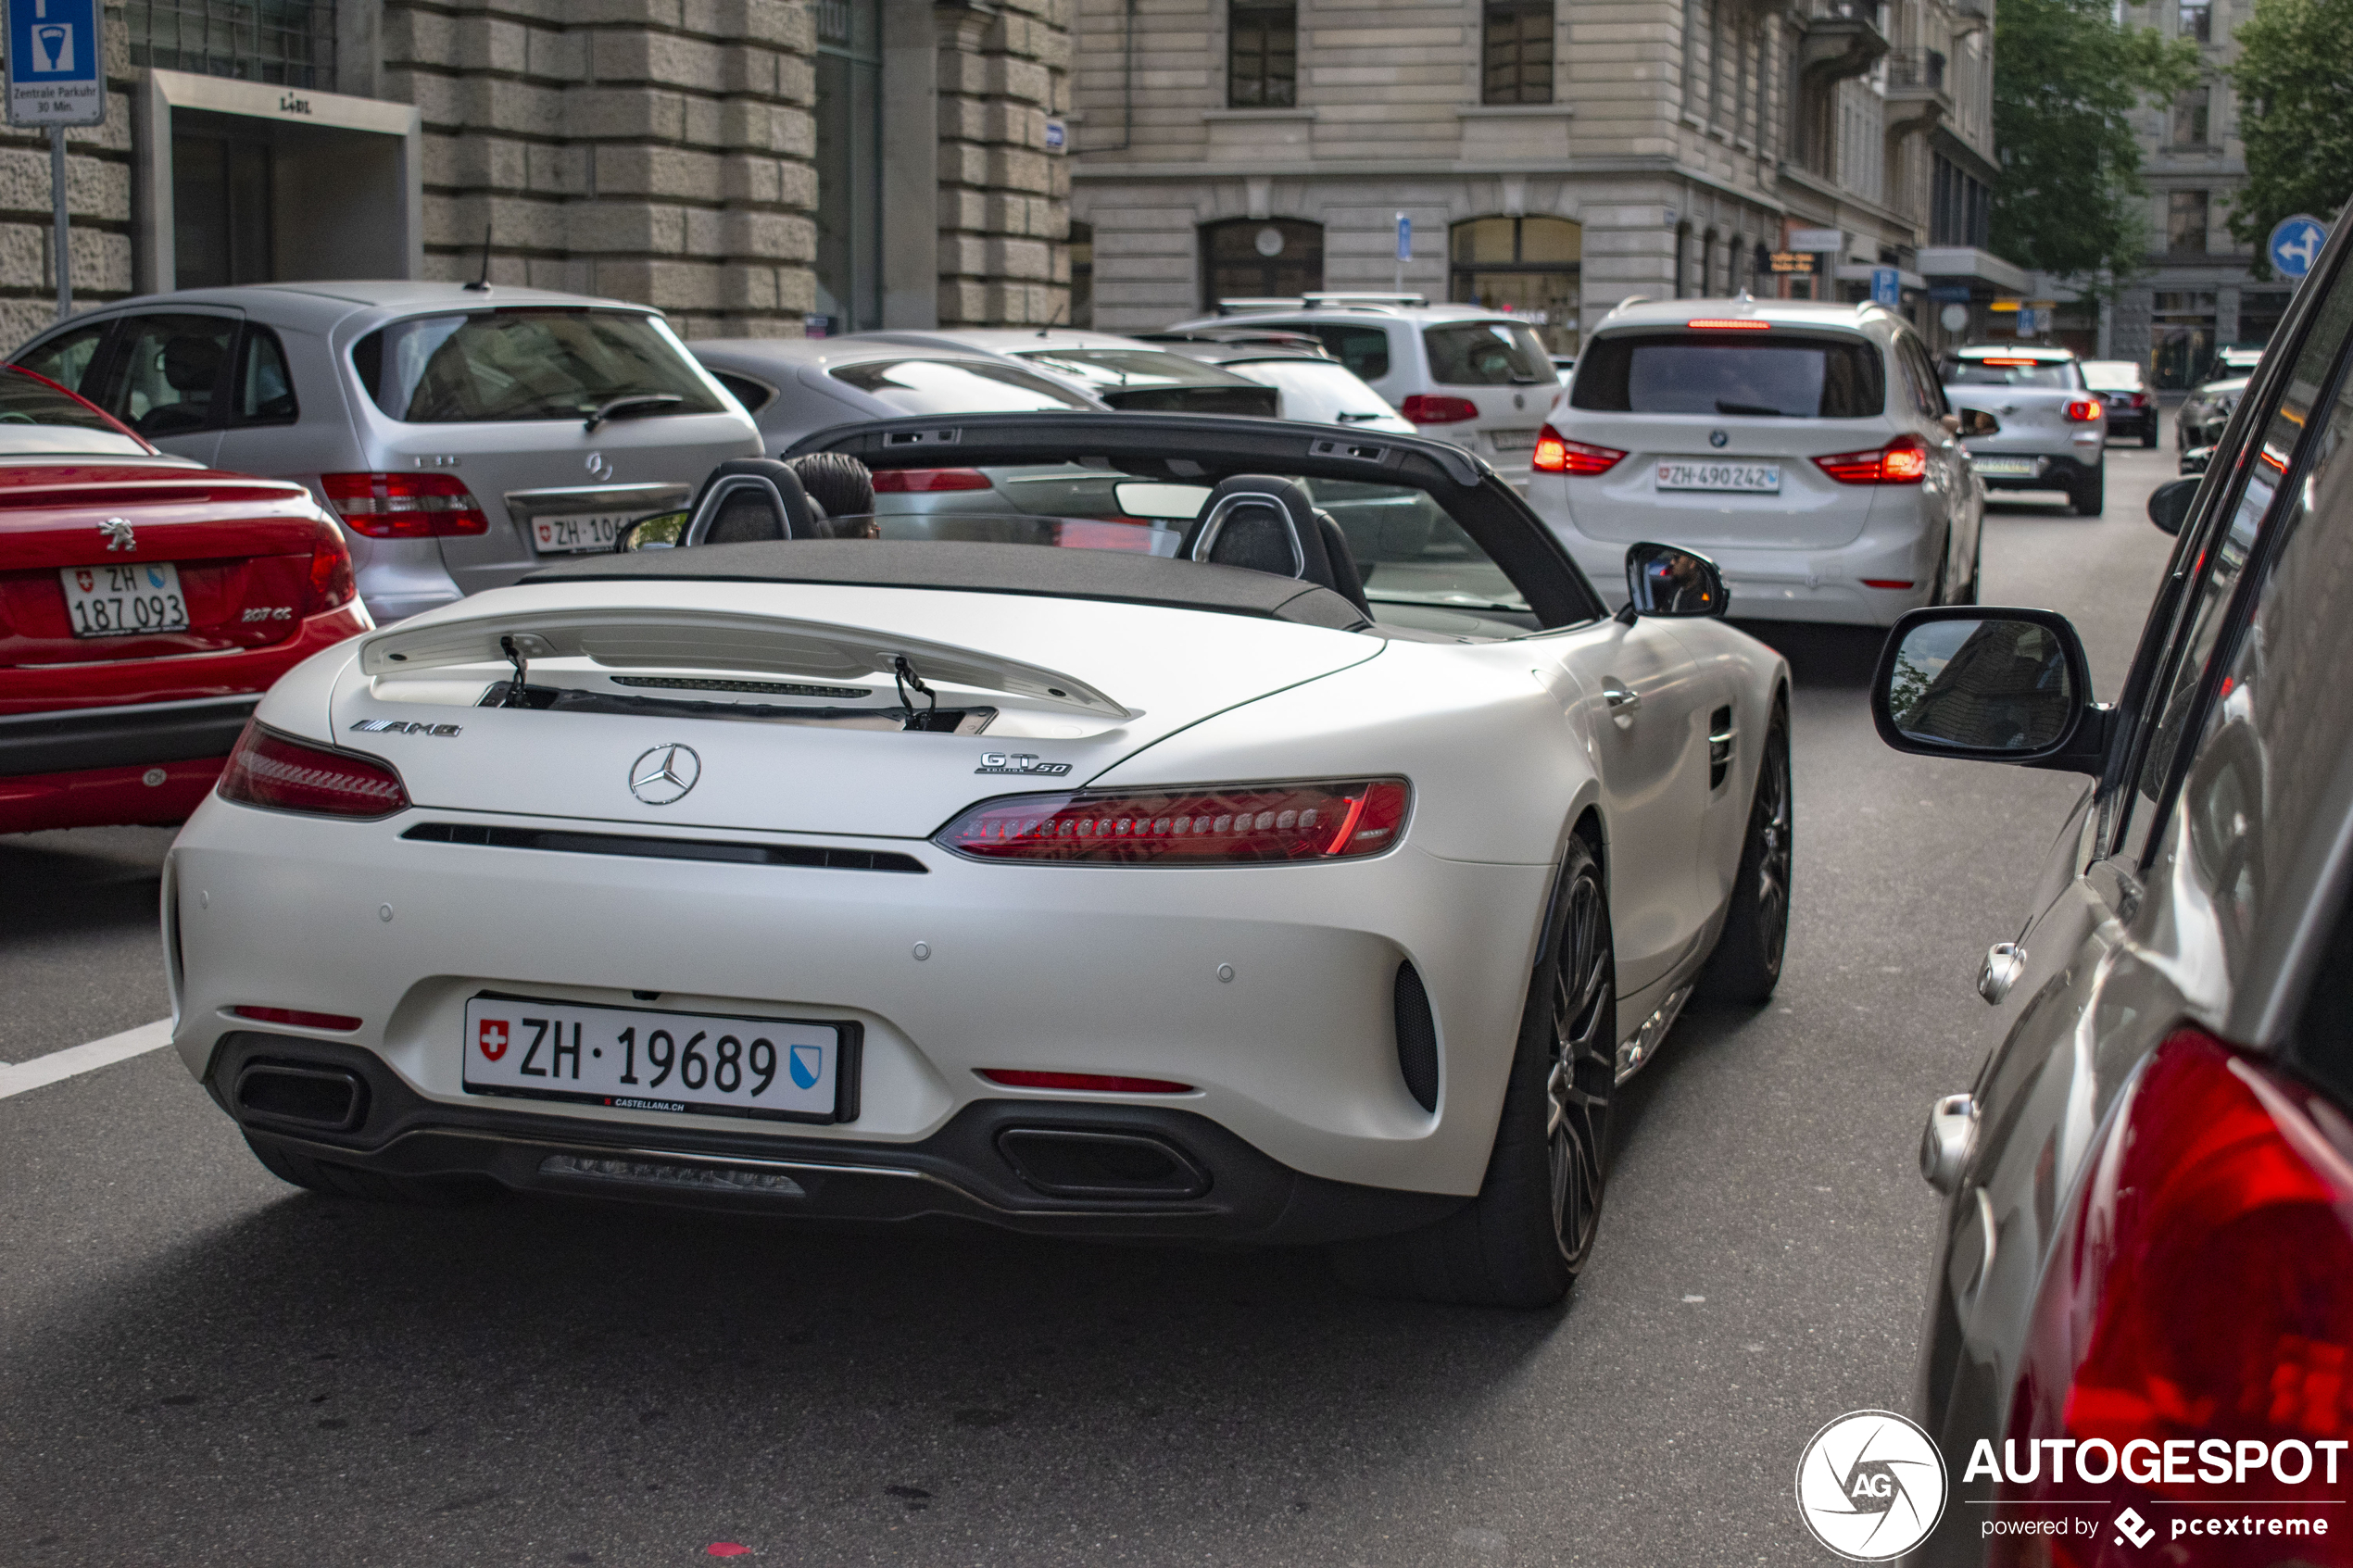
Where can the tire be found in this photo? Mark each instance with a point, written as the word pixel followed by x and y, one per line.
pixel 2091 499
pixel 344 1181
pixel 1521 1241
pixel 1747 964
pixel 1976 568
pixel 2149 441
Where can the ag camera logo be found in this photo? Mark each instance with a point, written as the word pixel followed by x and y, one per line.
pixel 1870 1485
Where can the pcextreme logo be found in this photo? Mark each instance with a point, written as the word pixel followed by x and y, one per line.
pixel 1870 1485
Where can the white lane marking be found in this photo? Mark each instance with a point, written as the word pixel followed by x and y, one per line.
pixel 81 1059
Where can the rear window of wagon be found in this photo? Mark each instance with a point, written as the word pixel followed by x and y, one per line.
pixel 1759 374
pixel 531 363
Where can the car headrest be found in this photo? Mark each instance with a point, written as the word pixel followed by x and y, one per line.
pixel 1267 523
pixel 749 498
pixel 191 362
pixel 840 484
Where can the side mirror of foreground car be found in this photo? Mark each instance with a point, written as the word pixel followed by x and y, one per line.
pixel 1989 685
pixel 1666 579
pixel 2169 502
pixel 659 532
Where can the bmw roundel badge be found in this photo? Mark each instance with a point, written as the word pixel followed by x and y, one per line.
pixel 1717 438
pixel 664 774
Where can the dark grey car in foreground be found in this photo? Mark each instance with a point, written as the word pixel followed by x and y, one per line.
pixel 2140 1322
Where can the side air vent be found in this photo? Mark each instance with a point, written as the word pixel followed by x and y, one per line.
pixel 1719 745
pixel 1064 1162
pixel 1417 1037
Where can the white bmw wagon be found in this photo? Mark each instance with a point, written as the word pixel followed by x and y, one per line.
pixel 1808 448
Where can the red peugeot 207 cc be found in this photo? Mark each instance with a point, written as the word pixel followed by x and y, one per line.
pixel 145 603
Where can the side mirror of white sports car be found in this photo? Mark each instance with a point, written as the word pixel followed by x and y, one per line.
pixel 1666 580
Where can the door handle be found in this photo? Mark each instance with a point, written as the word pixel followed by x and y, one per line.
pixel 1624 700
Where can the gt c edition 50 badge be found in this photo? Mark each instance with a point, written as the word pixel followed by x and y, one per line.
pixel 664 773
pixel 1019 762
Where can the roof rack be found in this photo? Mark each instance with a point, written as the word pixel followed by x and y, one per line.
pixel 1345 299
pixel 1268 302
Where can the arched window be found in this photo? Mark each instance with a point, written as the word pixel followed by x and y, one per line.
pixel 1531 267
pixel 1260 258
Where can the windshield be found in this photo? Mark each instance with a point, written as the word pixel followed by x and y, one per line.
pixel 1122 368
pixel 1752 373
pixel 2059 375
pixel 1419 568
pixel 957 386
pixel 1324 393
pixel 36 418
pixel 527 364
pixel 1486 353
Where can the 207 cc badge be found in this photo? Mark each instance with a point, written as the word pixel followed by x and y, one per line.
pixel 664 774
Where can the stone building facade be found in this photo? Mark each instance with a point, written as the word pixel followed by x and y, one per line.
pixel 1556 156
pixel 2199 294
pixel 750 167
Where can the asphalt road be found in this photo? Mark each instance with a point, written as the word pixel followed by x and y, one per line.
pixel 199 1365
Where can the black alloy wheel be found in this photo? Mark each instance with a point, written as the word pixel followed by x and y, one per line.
pixel 1521 1241
pixel 1747 964
pixel 1583 1079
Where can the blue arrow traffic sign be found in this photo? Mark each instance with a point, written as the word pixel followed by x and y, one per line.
pixel 54 63
pixel 2295 244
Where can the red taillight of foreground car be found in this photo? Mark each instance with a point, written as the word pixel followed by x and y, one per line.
pixel 1091 1083
pixel 1216 824
pixel 2083 410
pixel 271 771
pixel 1902 461
pixel 1424 409
pixel 404 506
pixel 299 1018
pixel 906 481
pixel 1556 452
pixel 331 583
pixel 2191 1351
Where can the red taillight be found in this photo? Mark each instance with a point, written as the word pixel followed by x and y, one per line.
pixel 298 1018
pixel 332 584
pixel 1092 1082
pixel 1216 824
pixel 1729 324
pixel 903 482
pixel 1425 409
pixel 2194 1325
pixel 404 506
pixel 2083 410
pixel 1557 454
pixel 1902 461
pixel 271 771
pixel 2140 400
pixel 1887 582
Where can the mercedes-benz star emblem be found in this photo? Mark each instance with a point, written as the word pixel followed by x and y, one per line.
pixel 664 774
pixel 1717 438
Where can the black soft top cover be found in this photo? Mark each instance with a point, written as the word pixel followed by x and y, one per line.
pixel 1120 576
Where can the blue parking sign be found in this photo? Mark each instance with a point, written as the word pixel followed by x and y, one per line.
pixel 2295 244
pixel 1887 286
pixel 54 63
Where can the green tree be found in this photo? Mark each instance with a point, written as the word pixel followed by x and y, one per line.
pixel 2295 81
pixel 2066 80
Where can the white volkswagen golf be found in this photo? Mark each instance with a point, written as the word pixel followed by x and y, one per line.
pixel 1807 447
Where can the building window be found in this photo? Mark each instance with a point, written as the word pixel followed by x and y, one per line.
pixel 1530 266
pixel 849 168
pixel 2197 20
pixel 2190 111
pixel 1683 260
pixel 288 42
pixel 1261 56
pixel 1518 56
pixel 221 227
pixel 1082 274
pixel 1961 207
pixel 2185 222
pixel 1260 258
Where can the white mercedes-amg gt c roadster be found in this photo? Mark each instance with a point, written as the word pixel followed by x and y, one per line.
pixel 1264 835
